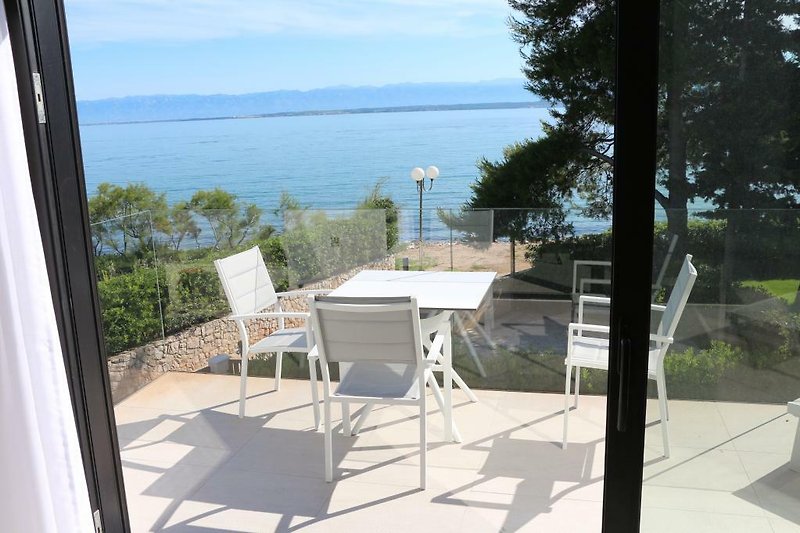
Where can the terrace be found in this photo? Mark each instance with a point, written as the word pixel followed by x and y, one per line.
pixel 720 82
pixel 191 464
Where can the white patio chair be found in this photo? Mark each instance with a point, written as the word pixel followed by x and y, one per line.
pixel 379 345
pixel 580 285
pixel 251 296
pixel 591 351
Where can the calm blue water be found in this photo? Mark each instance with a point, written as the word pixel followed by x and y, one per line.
pixel 325 161
pixel 329 161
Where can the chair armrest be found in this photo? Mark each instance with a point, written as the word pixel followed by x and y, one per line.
pixel 276 314
pixel 584 262
pixel 592 300
pixel 591 262
pixel 303 292
pixel 594 328
pixel 607 301
pixel 661 338
pixel 597 328
pixel 592 281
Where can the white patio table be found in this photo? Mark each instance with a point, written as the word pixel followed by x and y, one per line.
pixel 442 291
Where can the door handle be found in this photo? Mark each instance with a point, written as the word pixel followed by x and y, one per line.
pixel 623 369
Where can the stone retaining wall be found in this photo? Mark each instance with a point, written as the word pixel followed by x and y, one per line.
pixel 189 350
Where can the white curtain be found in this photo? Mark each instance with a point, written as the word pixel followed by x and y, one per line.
pixel 42 484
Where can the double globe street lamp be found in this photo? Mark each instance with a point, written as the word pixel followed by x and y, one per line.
pixel 419 176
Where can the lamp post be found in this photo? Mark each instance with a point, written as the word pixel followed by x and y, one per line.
pixel 419 175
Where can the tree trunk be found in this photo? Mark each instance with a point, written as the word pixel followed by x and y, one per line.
pixel 736 191
pixel 513 256
pixel 677 184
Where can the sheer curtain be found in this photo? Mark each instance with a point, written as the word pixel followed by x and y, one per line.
pixel 42 484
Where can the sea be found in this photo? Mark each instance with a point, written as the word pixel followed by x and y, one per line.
pixel 329 161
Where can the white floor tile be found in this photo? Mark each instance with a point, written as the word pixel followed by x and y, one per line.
pixel 672 520
pixel 191 465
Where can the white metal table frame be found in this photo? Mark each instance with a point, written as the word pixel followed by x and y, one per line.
pixel 442 291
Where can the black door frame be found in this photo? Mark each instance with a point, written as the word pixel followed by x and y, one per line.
pixel 37 29
pixel 632 259
pixel 39 42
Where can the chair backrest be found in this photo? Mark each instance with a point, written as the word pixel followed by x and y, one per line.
pixel 246 281
pixel 678 297
pixel 664 264
pixel 358 329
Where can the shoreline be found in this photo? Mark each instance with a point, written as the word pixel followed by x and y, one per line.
pixel 539 104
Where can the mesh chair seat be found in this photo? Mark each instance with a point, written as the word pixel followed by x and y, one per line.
pixel 288 340
pixel 589 352
pixel 378 380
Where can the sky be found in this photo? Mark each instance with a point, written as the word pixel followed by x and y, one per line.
pixel 143 47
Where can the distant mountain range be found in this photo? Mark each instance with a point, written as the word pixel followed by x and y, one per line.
pixel 399 97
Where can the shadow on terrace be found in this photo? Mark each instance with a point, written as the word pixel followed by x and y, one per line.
pixel 192 465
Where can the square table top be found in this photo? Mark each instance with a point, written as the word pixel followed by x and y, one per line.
pixel 455 291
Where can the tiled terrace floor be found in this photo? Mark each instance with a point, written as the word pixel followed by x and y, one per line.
pixel 191 465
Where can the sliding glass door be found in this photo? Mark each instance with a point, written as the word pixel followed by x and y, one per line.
pixel 722 453
pixel 158 365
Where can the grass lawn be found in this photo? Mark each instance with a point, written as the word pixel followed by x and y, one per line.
pixel 780 288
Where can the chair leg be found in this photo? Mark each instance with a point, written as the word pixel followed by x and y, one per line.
pixel 662 410
pixel 243 386
pixel 328 443
pixel 437 395
pixel 423 440
pixel 312 375
pixel 278 366
pixel 346 429
pixel 577 385
pixel 566 405
pixel 664 394
pixel 363 417
pixel 462 331
pixel 463 386
pixel 447 374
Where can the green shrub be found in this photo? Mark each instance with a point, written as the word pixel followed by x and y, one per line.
pixel 762 248
pixel 377 199
pixel 321 246
pixel 197 298
pixel 592 246
pixel 692 370
pixel 771 332
pixel 130 308
pixel 275 258
pixel 318 246
pixel 197 285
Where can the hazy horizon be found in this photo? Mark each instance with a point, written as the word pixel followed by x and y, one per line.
pixel 312 89
pixel 152 47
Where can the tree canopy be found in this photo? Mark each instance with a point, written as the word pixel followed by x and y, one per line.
pixel 127 220
pixel 729 125
pixel 229 220
pixel 126 217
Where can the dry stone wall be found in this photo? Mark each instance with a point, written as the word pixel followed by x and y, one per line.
pixel 189 350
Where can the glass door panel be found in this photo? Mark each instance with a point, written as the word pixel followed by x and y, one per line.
pixel 318 178
pixel 722 441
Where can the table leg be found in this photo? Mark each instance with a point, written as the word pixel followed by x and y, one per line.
pixel 447 371
pixel 794 463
